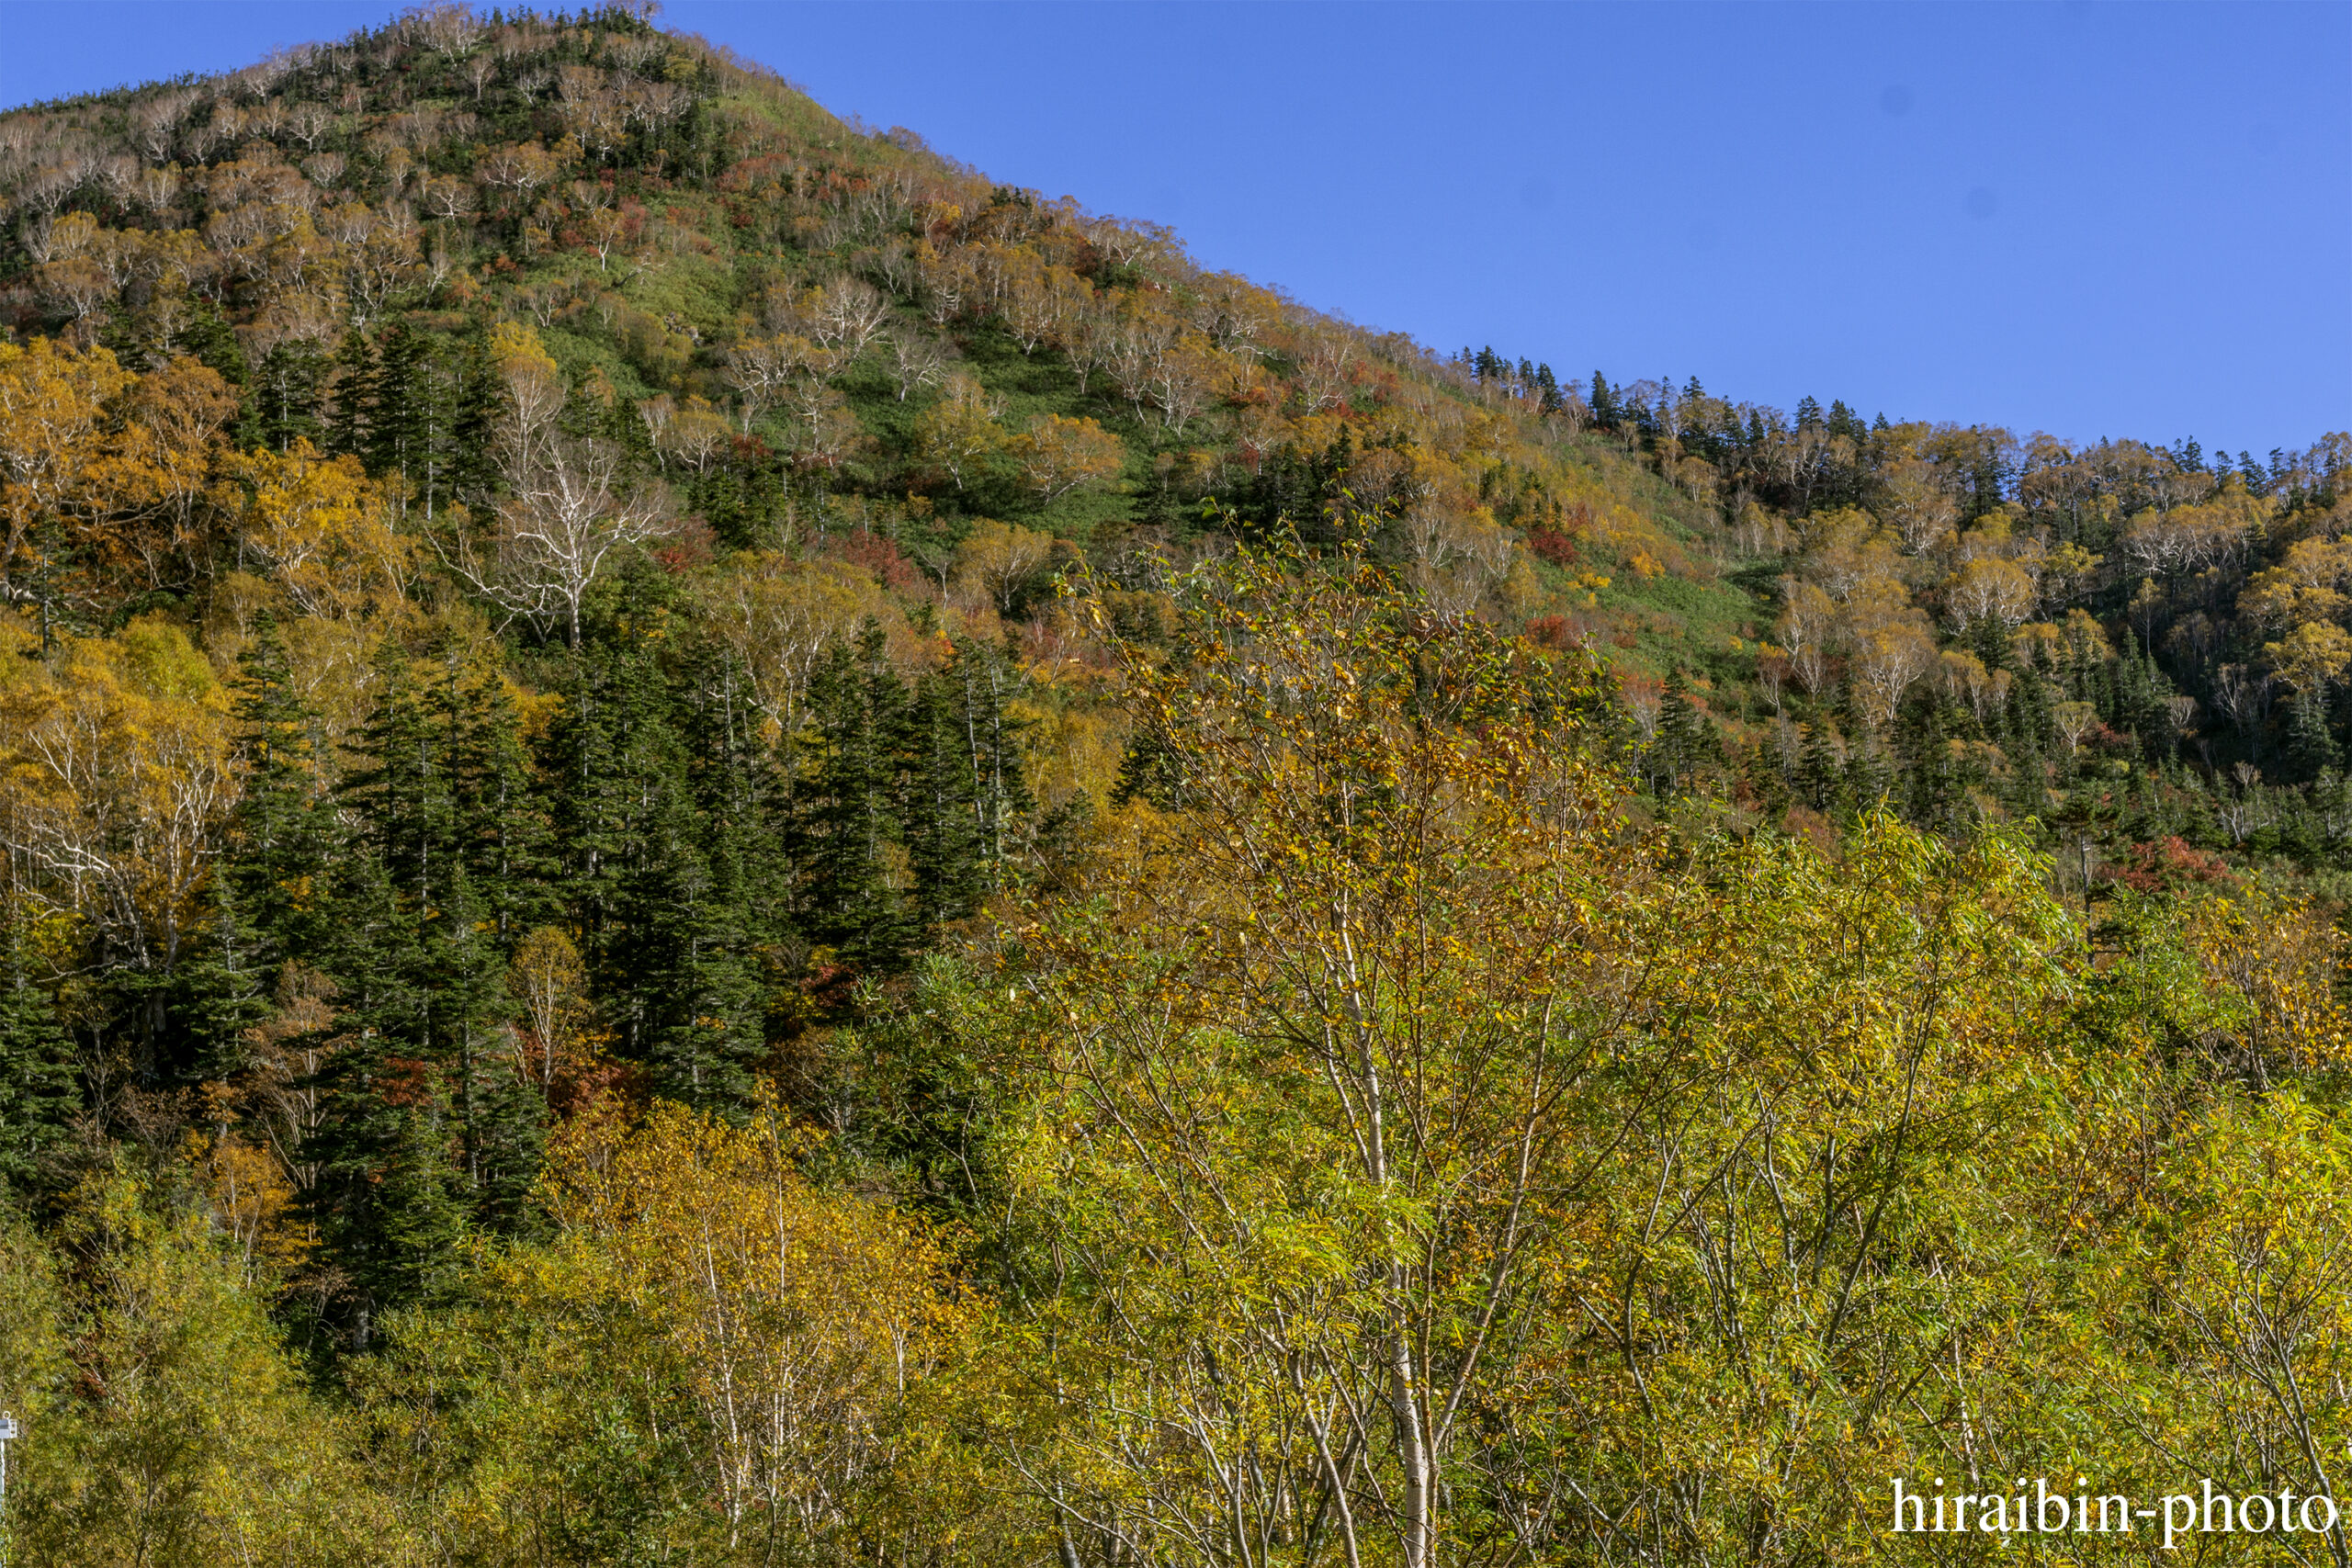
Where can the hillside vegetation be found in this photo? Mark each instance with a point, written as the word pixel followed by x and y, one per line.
pixel 726 847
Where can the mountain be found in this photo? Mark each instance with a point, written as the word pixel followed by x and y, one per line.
pixel 727 846
pixel 807 328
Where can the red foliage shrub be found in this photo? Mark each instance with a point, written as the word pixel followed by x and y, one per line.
pixel 2170 864
pixel 1546 543
pixel 687 548
pixel 879 555
pixel 1549 631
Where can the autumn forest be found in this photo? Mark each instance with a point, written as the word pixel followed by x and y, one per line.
pixel 725 846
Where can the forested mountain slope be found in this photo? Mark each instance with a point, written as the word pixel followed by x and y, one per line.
pixel 726 846
pixel 795 331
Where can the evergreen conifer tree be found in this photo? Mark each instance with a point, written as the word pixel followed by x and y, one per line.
pixel 401 391
pixel 944 808
pixel 1870 774
pixel 1547 388
pixel 611 771
pixel 982 680
pixel 427 1125
pixel 219 988
pixel 702 1004
pixel 2311 745
pixel 710 891
pixel 417 1219
pixel 1927 783
pixel 1821 776
pixel 38 1094
pixel 1686 743
pixel 210 340
pixel 356 390
pixel 852 805
pixel 384 1182
pixel 1605 414
pixel 282 405
pixel 283 835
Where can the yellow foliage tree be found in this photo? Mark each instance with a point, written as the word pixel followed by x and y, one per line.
pixel 116 767
pixel 1428 1171
pixel 52 407
pixel 1057 454
pixel 320 530
pixel 775 1355
pixel 959 432
pixel 189 1437
pixel 1001 563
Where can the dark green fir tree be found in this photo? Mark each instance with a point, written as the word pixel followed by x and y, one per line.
pixel 39 1094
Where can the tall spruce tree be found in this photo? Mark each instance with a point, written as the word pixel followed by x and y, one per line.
pixel 285 834
pixel 426 1117
pixel 355 389
pixel 2311 750
pixel 283 400
pixel 37 1092
pixel 611 768
pixel 967 794
pixel 380 1150
pixel 473 909
pixel 1821 775
pixel 713 893
pixel 430 399
pixel 852 805
pixel 219 988
pixel 944 814
pixel 1686 744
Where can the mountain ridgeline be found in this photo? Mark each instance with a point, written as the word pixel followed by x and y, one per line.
pixel 724 846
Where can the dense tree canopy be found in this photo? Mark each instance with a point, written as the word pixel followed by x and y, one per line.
pixel 723 846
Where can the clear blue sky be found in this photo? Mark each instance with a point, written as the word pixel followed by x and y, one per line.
pixel 2092 218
